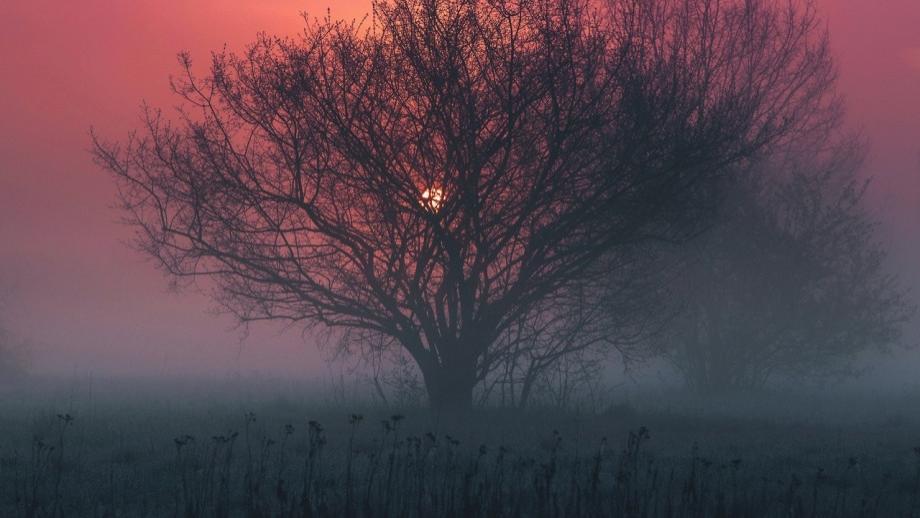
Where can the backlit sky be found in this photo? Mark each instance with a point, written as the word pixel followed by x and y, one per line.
pixel 94 306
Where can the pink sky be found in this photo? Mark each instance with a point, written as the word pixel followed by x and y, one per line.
pixel 94 305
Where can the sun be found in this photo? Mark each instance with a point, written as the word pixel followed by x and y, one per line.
pixel 432 198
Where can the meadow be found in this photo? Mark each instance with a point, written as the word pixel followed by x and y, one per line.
pixel 127 448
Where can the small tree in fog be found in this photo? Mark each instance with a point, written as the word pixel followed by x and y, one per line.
pixel 791 282
pixel 14 354
pixel 13 357
pixel 429 179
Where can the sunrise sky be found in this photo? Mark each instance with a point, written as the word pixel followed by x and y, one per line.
pixel 90 304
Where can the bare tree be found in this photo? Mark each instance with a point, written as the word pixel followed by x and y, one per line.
pixel 14 353
pixel 792 282
pixel 10 356
pixel 433 176
pixel 567 340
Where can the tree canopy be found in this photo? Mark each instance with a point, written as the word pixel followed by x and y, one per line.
pixel 792 280
pixel 427 179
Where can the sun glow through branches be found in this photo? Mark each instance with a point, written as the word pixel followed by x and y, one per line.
pixel 432 198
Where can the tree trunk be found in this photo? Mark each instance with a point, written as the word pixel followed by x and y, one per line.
pixel 450 387
pixel 530 378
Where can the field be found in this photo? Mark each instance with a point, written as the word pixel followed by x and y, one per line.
pixel 85 448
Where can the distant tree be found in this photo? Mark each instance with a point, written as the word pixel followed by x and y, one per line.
pixel 14 351
pixel 428 180
pixel 791 283
pixel 13 356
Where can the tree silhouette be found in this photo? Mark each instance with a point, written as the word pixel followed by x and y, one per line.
pixel 428 179
pixel 792 281
pixel 14 350
pixel 566 340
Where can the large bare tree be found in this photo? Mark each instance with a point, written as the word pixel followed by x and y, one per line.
pixel 428 178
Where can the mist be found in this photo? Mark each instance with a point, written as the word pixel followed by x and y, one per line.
pixel 108 329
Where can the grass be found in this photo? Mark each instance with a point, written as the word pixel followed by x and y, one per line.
pixel 171 454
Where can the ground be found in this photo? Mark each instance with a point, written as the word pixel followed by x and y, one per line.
pixel 130 448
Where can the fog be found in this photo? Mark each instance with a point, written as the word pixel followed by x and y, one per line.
pixel 90 305
pixel 126 393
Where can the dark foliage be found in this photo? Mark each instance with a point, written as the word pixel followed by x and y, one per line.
pixel 388 469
